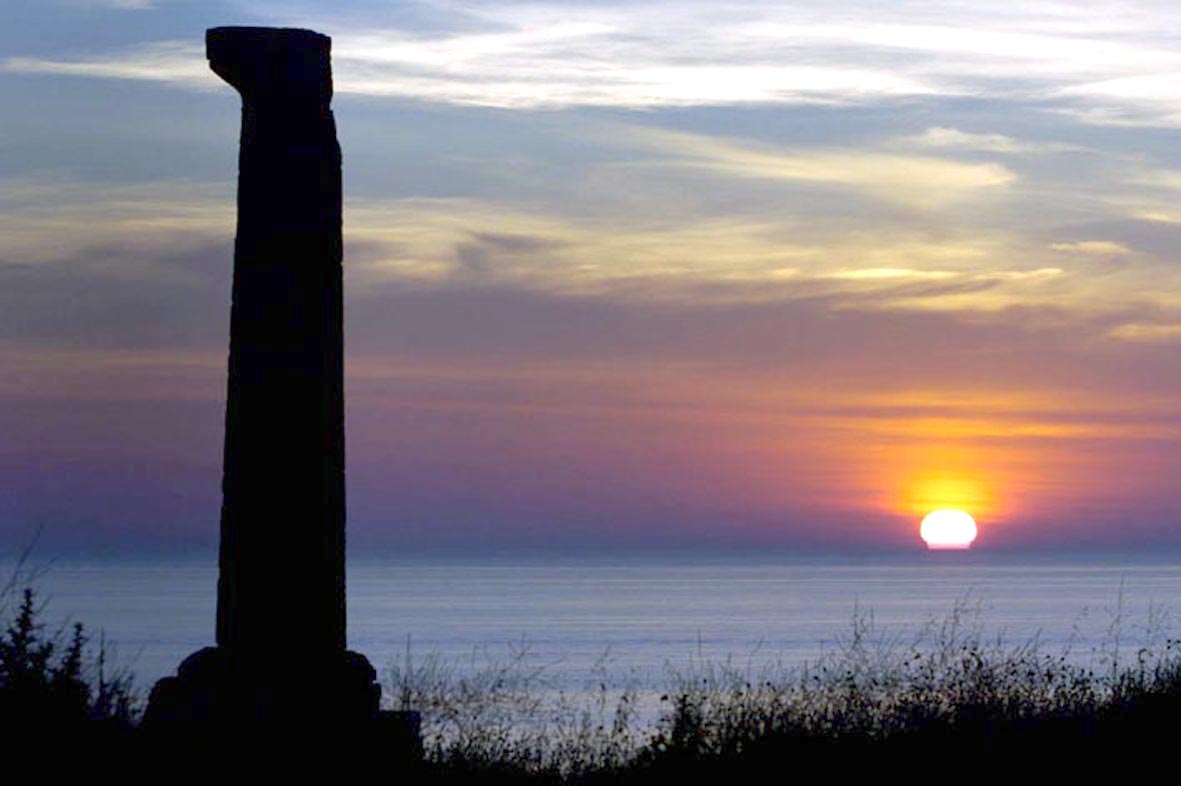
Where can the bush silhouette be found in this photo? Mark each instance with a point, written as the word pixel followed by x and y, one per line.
pixel 51 683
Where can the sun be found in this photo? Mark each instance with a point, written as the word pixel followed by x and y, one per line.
pixel 948 529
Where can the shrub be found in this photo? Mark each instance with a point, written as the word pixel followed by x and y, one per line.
pixel 53 681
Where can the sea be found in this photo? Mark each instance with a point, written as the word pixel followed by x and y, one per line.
pixel 644 620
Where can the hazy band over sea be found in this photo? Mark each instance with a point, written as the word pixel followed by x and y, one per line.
pixel 634 617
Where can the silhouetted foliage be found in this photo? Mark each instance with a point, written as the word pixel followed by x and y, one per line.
pixel 53 682
pixel 949 700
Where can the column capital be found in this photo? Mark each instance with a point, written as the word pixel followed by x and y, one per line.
pixel 272 64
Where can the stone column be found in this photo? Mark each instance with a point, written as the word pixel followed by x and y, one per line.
pixel 282 520
pixel 281 587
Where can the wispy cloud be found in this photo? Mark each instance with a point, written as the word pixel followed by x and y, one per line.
pixel 1103 63
pixel 1148 332
pixel 48 219
pixel 1136 99
pixel 919 181
pixel 879 273
pixel 180 63
pixel 1103 248
pixel 135 232
pixel 939 138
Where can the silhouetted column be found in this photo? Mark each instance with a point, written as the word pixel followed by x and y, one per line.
pixel 280 654
pixel 282 567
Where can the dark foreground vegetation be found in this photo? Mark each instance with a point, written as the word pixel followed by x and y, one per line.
pixel 946 703
pixel 56 684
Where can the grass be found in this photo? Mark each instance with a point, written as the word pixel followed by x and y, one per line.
pixel 511 717
pixel 944 696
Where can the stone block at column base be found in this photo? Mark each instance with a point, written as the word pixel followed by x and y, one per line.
pixel 216 696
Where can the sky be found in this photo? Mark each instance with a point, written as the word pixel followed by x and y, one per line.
pixel 621 276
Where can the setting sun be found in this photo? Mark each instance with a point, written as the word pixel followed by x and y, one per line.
pixel 948 529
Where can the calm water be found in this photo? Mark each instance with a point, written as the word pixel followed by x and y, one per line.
pixel 641 616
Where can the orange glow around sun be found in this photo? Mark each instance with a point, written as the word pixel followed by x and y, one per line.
pixel 929 492
pixel 943 499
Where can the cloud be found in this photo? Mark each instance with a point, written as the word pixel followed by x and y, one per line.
pixel 181 63
pixel 940 138
pixel 50 219
pixel 139 235
pixel 1103 248
pixel 877 273
pixel 917 181
pixel 1141 99
pixel 1148 332
pixel 1166 179
pixel 1100 63
pixel 447 243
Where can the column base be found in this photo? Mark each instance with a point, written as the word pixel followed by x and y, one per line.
pixel 215 695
